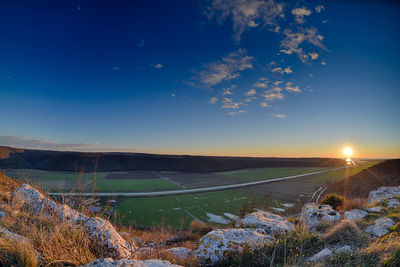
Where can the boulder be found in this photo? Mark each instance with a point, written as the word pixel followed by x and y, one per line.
pixel 393 203
pixel 13 236
pixel 107 240
pixel 344 249
pixel 217 245
pixel 2 214
pixel 380 227
pixel 313 215
pixel 180 252
pixel 320 255
pixel 270 222
pixel 376 209
pixel 355 214
pixel 383 193
pixel 108 262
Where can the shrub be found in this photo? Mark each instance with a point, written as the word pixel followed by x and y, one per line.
pixel 200 228
pixel 345 232
pixel 17 253
pixel 332 200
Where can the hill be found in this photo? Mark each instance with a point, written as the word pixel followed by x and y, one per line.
pixel 17 158
pixel 386 173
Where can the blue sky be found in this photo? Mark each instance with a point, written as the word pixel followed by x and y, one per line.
pixel 257 78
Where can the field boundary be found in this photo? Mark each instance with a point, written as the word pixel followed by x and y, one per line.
pixel 189 191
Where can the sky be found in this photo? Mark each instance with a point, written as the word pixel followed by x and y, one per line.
pixel 244 78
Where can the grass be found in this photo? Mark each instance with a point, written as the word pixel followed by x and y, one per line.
pixel 116 185
pixel 270 173
pixel 179 211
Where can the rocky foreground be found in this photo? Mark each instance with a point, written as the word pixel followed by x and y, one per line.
pixel 251 236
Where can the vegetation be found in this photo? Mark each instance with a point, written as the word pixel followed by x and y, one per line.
pixel 333 200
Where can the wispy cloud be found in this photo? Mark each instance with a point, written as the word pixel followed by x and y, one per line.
pixel 213 100
pixel 274 93
pixel 292 41
pixel 158 66
pixel 300 13
pixel 287 70
pixel 228 103
pixel 228 68
pixel 261 84
pixel 313 55
pixel 251 92
pixel 264 104
pixel 319 8
pixel 280 115
pixel 291 88
pixel 246 14
pixel 232 113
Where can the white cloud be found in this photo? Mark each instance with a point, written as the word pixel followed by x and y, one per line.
pixel 232 113
pixel 213 100
pixel 274 93
pixel 291 88
pixel 288 70
pixel 292 41
pixel 323 63
pixel 227 68
pixel 228 90
pixel 313 55
pixel 325 21
pixel 228 103
pixel 251 92
pixel 277 69
pixel 261 84
pixel 158 66
pixel 245 14
pixel 280 115
pixel 173 95
pixel 319 8
pixel 249 99
pixel 264 105
pixel 300 13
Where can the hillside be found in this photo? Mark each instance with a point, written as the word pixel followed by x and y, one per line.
pixel 386 173
pixel 16 158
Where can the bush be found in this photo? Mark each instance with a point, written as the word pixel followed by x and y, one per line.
pixel 345 232
pixel 333 200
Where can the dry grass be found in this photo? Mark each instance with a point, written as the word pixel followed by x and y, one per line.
pixel 353 203
pixel 345 232
pixel 17 253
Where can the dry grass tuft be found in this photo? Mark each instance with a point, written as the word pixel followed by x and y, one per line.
pixel 17 253
pixel 345 232
pixel 354 203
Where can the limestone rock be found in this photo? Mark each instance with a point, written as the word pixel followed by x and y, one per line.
pixel 270 222
pixel 376 209
pixel 108 262
pixel 2 214
pixel 180 252
pixel 343 249
pixel 393 203
pixel 380 227
pixel 218 244
pixel 107 240
pixel 383 193
pixel 322 254
pixel 314 214
pixel 355 214
pixel 12 235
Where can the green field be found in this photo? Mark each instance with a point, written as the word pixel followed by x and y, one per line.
pixel 179 211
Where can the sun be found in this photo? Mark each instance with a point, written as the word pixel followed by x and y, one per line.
pixel 347 151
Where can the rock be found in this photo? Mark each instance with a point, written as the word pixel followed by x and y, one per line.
pixel 383 193
pixel 108 262
pixel 393 203
pixel 107 240
pixel 374 209
pixel 12 235
pixel 218 244
pixel 343 249
pixel 270 222
pixel 355 214
pixel 322 254
pixel 180 252
pixel 313 215
pixel 2 214
pixel 380 227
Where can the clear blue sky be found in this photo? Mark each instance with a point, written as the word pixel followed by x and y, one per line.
pixel 259 78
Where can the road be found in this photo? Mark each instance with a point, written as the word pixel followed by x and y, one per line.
pixel 188 191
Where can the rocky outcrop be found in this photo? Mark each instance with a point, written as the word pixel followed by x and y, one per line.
pixel 313 215
pixel 219 244
pixel 107 240
pixel 13 236
pixel 355 214
pixel 180 252
pixel 320 255
pixel 393 203
pixel 108 262
pixel 383 193
pixel 380 227
pixel 271 223
pixel 376 209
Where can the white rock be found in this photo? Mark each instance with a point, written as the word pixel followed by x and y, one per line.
pixel 393 203
pixel 383 193
pixel 322 254
pixel 355 214
pixel 343 249
pixel 374 209
pixel 218 244
pixel 12 235
pixel 314 214
pixel 108 242
pixel 2 214
pixel 380 227
pixel 180 252
pixel 108 262
pixel 268 221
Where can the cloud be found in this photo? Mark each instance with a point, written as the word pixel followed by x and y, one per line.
pixel 325 21
pixel 264 105
pixel 291 88
pixel 300 13
pixel 280 115
pixel 274 93
pixel 232 113
pixel 213 100
pixel 158 66
pixel 245 14
pixel 319 8
pixel 277 69
pixel 313 55
pixel 288 70
pixel 227 68
pixel 292 41
pixel 228 103
pixel 261 84
pixel 251 92
pixel 323 63
pixel 116 68
pixel 229 90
